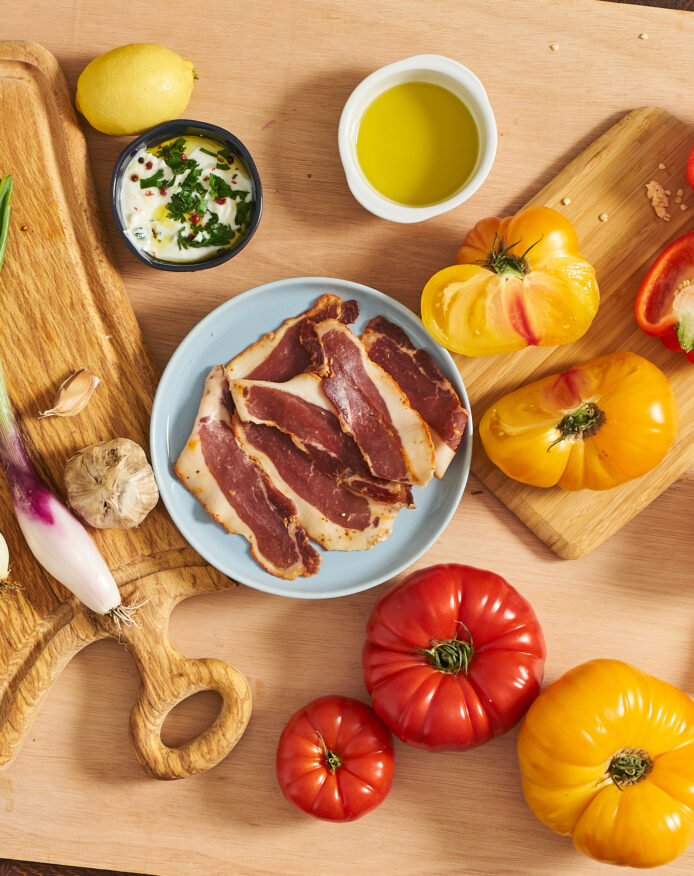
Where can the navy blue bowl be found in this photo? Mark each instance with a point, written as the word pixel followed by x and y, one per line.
pixel 166 131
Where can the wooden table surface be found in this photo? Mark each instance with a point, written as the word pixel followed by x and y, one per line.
pixel 264 76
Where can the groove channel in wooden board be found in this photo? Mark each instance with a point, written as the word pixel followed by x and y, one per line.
pixel 609 177
pixel 63 307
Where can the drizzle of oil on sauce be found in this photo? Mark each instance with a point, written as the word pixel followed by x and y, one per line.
pixel 417 143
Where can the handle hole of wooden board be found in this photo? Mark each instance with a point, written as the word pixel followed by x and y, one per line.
pixel 191 717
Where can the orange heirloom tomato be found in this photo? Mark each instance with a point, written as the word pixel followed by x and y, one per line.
pixel 596 426
pixel 607 756
pixel 520 282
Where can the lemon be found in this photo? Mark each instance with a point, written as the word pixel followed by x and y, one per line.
pixel 132 88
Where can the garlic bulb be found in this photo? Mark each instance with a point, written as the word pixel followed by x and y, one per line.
pixel 73 394
pixel 111 485
pixel 4 560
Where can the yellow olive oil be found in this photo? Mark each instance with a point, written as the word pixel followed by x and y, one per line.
pixel 417 143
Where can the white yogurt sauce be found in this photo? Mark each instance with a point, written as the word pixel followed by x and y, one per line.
pixel 145 211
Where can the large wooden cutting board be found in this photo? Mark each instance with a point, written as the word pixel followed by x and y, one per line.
pixel 608 179
pixel 64 307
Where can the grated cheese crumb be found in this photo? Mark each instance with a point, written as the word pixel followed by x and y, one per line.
pixel 680 192
pixel 684 206
pixel 661 166
pixel 657 195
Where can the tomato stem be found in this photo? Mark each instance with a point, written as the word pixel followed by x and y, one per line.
pixel 502 261
pixel 332 759
pixel 450 655
pixel 629 766
pixel 582 423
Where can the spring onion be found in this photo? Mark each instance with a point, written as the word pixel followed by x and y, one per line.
pixel 54 535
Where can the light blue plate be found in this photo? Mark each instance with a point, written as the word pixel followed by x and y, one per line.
pixel 219 337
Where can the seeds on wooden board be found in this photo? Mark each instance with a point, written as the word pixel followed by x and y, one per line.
pixel 566 201
pixel 73 394
pixel 554 47
pixel 643 36
pixel 603 217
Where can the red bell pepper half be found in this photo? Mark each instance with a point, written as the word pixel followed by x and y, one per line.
pixel 665 301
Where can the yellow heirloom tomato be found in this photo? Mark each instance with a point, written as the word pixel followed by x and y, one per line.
pixel 520 281
pixel 596 426
pixel 607 755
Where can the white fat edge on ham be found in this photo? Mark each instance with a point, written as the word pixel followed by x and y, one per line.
pixel 328 534
pixel 415 438
pixel 195 475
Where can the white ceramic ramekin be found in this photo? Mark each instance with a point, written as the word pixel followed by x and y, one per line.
pixel 438 70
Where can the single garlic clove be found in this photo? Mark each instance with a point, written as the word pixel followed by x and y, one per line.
pixel 111 485
pixel 73 394
pixel 4 560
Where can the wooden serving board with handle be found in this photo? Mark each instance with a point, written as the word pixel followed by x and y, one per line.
pixel 64 307
pixel 608 179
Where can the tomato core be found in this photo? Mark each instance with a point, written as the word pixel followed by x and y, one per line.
pixel 503 262
pixel 332 759
pixel 629 766
pixel 585 421
pixel 450 655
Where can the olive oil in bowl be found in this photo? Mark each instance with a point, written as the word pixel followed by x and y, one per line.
pixel 417 144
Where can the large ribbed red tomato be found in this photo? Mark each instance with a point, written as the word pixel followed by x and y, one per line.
pixel 454 656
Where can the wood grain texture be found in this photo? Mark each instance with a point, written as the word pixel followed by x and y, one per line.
pixel 64 307
pixel 280 85
pixel 609 177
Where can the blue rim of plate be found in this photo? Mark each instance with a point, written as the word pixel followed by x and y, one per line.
pixel 176 403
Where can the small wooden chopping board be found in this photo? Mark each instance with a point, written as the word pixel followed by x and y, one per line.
pixel 608 179
pixel 64 307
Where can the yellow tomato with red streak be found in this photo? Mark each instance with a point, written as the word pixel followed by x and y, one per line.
pixel 519 281
pixel 593 427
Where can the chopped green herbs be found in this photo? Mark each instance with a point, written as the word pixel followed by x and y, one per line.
pixel 156 180
pixel 175 157
pixel 219 187
pixel 212 234
pixel 243 210
pixel 207 152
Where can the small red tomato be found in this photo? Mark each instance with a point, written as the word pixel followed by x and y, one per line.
pixel 454 656
pixel 335 759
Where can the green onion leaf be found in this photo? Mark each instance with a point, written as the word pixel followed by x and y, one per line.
pixel 5 193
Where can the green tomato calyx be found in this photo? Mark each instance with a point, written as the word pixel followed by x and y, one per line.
pixel 450 655
pixel 629 766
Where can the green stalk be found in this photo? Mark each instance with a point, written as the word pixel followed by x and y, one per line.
pixel 5 193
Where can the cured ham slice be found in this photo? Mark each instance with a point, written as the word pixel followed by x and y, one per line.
pixel 279 355
pixel 236 493
pixel 300 408
pixel 393 438
pixel 333 516
pixel 427 390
